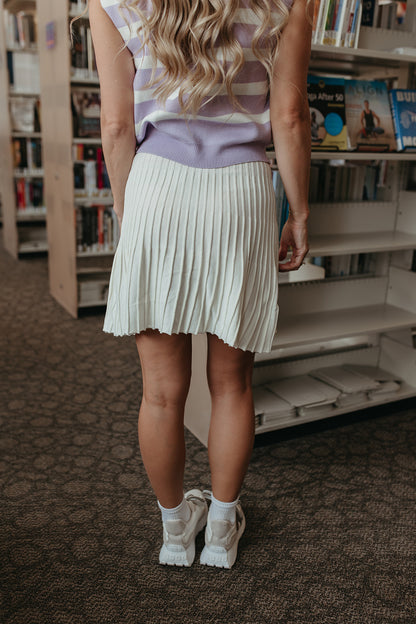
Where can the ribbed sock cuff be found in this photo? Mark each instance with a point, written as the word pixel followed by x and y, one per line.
pixel 220 510
pixel 181 512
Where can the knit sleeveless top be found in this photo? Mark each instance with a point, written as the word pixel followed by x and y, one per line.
pixel 219 135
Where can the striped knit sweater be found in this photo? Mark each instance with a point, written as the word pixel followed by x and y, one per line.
pixel 219 135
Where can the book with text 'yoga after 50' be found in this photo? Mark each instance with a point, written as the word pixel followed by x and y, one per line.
pixel 403 109
pixel 327 109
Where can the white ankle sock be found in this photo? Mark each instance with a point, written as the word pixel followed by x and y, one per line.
pixel 219 510
pixel 181 512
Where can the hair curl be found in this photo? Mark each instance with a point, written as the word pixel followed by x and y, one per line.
pixel 184 36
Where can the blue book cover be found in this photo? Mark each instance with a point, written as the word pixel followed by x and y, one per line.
pixel 403 108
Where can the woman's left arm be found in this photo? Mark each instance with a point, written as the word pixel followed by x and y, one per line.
pixel 116 71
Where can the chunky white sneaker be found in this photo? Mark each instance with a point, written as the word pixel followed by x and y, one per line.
pixel 179 536
pixel 221 540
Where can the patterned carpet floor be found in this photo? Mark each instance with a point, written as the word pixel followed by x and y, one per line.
pixel 331 520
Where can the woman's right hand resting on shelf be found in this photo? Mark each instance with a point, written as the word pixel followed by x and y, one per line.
pixel 291 128
pixel 294 235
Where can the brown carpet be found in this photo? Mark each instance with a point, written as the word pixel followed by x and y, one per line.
pixel 330 514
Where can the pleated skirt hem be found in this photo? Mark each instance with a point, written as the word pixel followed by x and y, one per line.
pixel 253 346
pixel 198 252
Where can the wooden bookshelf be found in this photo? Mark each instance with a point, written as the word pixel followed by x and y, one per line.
pixel 66 265
pixel 24 230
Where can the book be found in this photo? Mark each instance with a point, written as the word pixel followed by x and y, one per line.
pixel 403 107
pixel 327 110
pixel 86 107
pixel 369 122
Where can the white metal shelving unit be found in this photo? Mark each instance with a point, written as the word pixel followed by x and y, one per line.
pixel 362 319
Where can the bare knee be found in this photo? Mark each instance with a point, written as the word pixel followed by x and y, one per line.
pixel 166 368
pixel 229 370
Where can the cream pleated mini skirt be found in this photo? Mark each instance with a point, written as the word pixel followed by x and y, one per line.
pixel 198 252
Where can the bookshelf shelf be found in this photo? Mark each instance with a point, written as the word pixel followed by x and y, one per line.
pixel 29 214
pixel 33 49
pixel 26 135
pixel 93 201
pixel 94 254
pixel 86 141
pixel 33 247
pixel 371 242
pixel 362 55
pixel 302 329
pixel 17 92
pixel 92 304
pixel 28 173
pixel 405 392
pixel 394 156
pixel 391 156
pixel 20 182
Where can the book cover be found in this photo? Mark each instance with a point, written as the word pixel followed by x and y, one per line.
pixel 369 122
pixel 86 114
pixel 403 107
pixel 327 109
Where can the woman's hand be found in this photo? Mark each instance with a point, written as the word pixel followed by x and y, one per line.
pixel 119 215
pixel 294 235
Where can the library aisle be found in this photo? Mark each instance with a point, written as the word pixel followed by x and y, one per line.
pixel 330 514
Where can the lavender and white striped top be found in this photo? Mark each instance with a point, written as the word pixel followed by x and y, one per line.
pixel 219 135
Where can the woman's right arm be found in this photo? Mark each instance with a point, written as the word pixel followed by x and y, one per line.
pixel 291 128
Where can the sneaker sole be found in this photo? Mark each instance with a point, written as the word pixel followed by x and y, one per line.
pixel 220 557
pixel 182 556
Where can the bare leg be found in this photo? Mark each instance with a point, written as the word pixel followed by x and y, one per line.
pixel 166 369
pixel 231 434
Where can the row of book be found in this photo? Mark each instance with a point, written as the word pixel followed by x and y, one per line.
pixel 337 181
pixel 321 391
pixel 25 114
pixel 20 29
pixel 360 115
pixel 382 14
pixel 347 265
pixel 83 63
pixel 29 193
pixel 337 22
pixel 24 72
pixel 97 229
pixel 91 175
pixel 27 153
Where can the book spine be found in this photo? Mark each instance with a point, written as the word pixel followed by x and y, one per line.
pixel 100 217
pixel 396 124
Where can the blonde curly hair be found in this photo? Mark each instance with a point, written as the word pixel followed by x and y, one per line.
pixel 185 36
